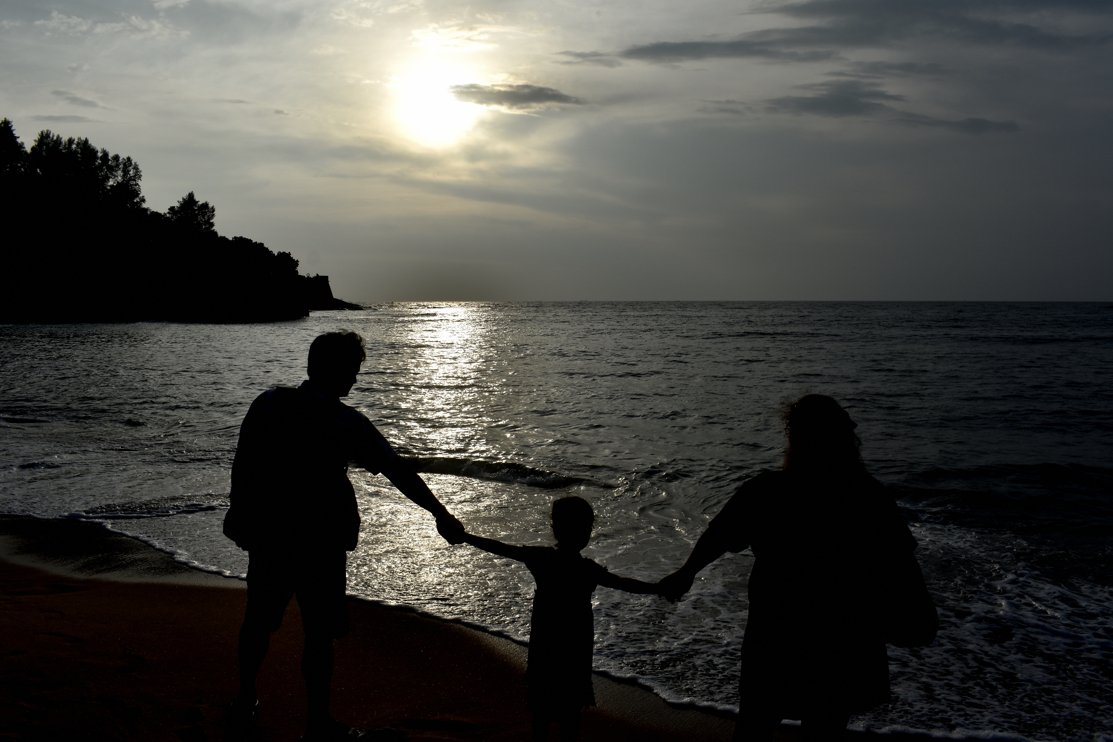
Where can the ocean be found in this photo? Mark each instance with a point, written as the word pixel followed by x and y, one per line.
pixel 991 422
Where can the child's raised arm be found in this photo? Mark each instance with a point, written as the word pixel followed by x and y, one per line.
pixel 496 547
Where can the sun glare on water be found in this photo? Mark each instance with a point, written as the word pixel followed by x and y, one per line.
pixel 425 109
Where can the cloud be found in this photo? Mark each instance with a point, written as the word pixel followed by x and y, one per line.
pixel 842 98
pixel 520 97
pixel 63 119
pixel 728 107
pixel 60 23
pixel 134 25
pixel 598 59
pixel 74 99
pixel 220 23
pixel 969 125
pixel 883 23
pixel 836 98
pixel 743 48
pixel 893 69
pixel 831 27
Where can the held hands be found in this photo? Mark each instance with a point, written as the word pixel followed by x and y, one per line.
pixel 451 529
pixel 675 586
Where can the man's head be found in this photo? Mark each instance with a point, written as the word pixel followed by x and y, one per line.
pixel 334 361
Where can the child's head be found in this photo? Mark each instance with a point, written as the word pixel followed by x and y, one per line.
pixel 572 522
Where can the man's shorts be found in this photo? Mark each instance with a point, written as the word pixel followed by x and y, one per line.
pixel 319 581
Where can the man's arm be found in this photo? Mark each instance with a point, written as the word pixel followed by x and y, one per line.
pixel 403 476
pixel 374 453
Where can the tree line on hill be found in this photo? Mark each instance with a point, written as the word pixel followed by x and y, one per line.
pixel 81 246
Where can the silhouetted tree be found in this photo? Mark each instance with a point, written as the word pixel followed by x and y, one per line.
pixel 286 263
pixel 13 155
pixel 193 215
pixel 81 244
pixel 74 168
pixel 122 182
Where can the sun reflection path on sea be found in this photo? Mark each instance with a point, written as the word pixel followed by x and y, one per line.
pixel 450 345
pixel 447 369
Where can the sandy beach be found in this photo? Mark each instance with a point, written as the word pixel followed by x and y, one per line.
pixel 105 638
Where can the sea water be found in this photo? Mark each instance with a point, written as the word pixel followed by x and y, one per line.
pixel 992 423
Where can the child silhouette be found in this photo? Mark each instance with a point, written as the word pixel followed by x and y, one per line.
pixel 562 626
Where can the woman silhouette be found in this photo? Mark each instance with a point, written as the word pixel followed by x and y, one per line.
pixel 824 534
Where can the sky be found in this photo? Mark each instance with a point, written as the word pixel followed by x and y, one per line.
pixel 617 150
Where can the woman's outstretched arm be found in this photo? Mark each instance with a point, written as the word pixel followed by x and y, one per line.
pixel 708 548
pixel 629 584
pixel 726 532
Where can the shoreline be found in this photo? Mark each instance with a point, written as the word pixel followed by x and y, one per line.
pixel 105 637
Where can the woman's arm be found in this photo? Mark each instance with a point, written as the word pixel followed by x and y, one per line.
pixel 708 548
pixel 725 532
pixel 629 584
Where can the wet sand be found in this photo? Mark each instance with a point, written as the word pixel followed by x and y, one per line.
pixel 105 638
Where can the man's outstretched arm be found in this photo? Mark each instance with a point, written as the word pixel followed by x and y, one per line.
pixel 403 476
pixel 375 454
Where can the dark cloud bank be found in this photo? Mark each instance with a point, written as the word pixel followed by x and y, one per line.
pixel 513 97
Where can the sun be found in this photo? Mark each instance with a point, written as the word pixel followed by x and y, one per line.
pixel 425 110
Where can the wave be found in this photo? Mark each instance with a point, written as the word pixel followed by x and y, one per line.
pixel 1050 339
pixel 157 508
pixel 495 471
pixel 1058 517
pixel 1070 500
pixel 35 465
pixel 14 420
pixel 742 334
pixel 1021 485
pixel 501 471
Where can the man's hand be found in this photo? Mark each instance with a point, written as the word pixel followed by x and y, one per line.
pixel 450 528
pixel 676 585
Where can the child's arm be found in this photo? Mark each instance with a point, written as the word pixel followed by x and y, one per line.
pixel 629 584
pixel 496 547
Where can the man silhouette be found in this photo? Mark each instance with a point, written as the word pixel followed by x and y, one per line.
pixel 294 510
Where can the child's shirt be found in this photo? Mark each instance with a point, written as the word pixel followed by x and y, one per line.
pixel 562 627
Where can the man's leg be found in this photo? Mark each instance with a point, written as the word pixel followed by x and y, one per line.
pixel 321 593
pixel 316 669
pixel 254 641
pixel 269 590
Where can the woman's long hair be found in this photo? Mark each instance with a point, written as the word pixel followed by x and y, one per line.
pixel 821 438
